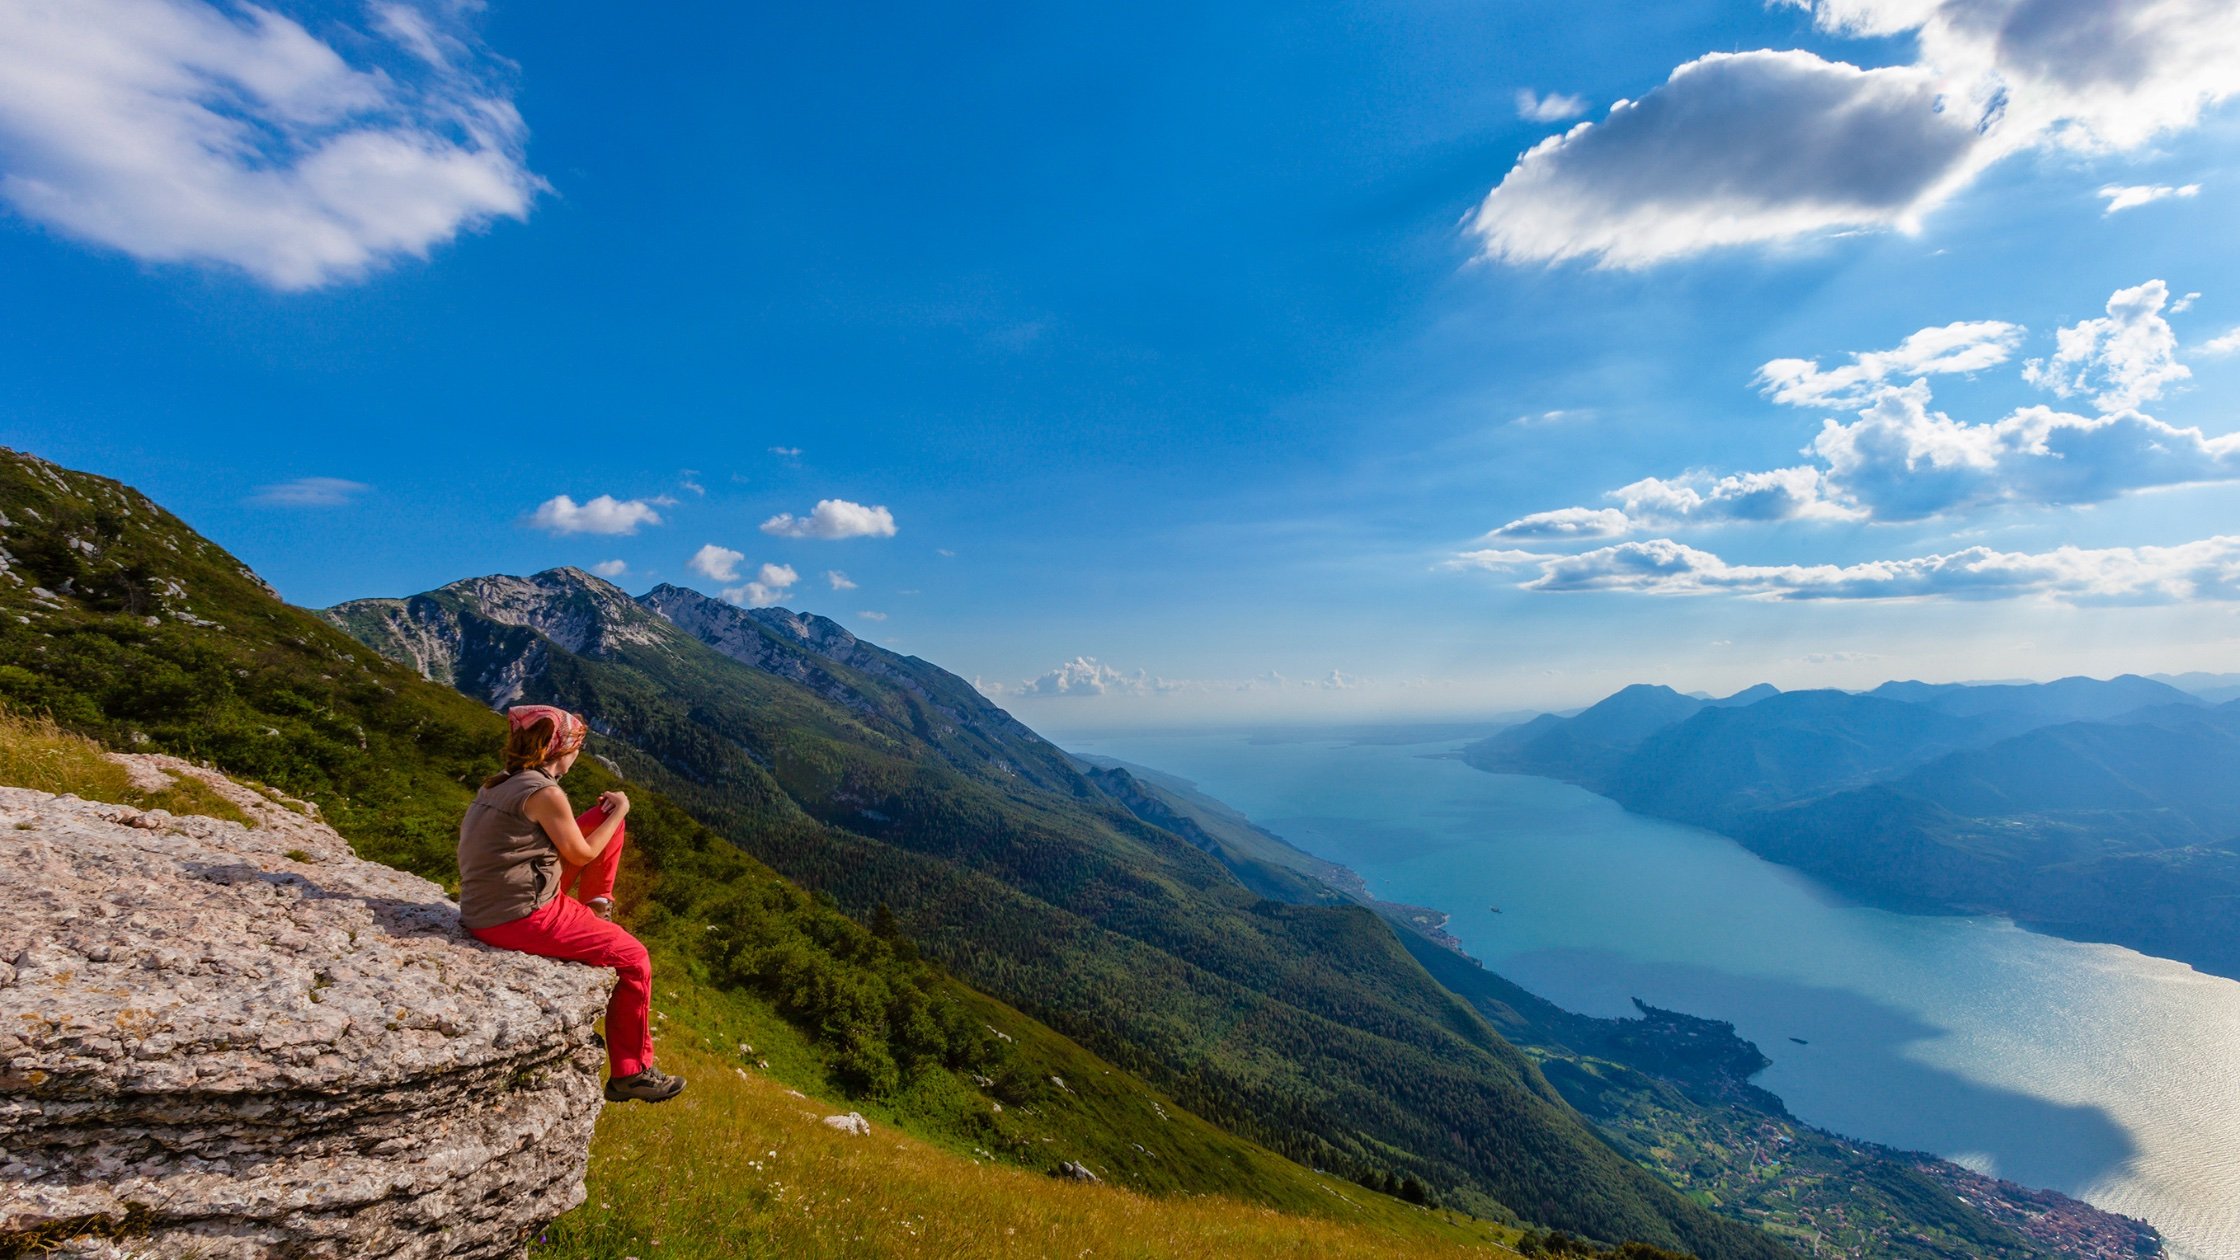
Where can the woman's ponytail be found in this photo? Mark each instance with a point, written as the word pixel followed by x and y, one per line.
pixel 528 747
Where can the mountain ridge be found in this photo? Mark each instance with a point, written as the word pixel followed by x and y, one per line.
pixel 2093 808
pixel 1030 879
pixel 125 626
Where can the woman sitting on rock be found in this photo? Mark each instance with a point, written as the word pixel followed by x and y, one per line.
pixel 521 849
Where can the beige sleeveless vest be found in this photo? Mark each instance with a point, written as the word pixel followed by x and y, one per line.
pixel 508 867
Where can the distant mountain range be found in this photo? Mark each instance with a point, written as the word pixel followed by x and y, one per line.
pixel 2105 809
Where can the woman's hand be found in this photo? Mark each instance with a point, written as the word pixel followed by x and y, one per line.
pixel 615 803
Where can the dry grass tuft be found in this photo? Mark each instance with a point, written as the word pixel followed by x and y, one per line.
pixel 37 754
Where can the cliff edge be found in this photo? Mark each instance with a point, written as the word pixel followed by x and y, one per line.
pixel 232 1040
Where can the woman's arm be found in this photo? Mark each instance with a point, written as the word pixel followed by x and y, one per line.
pixel 550 810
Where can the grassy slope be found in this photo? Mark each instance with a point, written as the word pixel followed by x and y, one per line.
pixel 738 1167
pixel 1307 1028
pixel 742 1165
pixel 125 626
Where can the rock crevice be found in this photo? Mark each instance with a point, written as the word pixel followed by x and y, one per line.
pixel 226 1040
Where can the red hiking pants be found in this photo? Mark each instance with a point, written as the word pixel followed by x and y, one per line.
pixel 565 928
pixel 597 877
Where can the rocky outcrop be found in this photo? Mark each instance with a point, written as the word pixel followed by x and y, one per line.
pixel 445 640
pixel 232 1041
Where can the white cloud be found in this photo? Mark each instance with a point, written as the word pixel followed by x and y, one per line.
pixel 611 568
pixel 833 518
pixel 1782 494
pixel 2184 304
pixel 839 580
pixel 1496 558
pixel 413 30
pixel 1554 107
pixel 1573 522
pixel 177 131
pixel 1088 676
pixel 2128 356
pixel 603 515
pixel 1762 147
pixel 719 564
pixel 2229 343
pixel 2205 570
pixel 2132 196
pixel 1561 415
pixel 872 616
pixel 2079 74
pixel 771 583
pixel 310 492
pixel 1969 346
pixel 1734 148
pixel 1901 460
pixel 786 452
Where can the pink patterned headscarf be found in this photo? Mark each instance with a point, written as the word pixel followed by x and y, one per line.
pixel 568 730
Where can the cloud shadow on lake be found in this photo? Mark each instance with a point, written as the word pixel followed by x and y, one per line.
pixel 1854 1075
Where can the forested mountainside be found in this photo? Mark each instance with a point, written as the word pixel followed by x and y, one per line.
pixel 883 781
pixel 123 624
pixel 2101 809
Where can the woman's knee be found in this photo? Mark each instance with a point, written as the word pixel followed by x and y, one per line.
pixel 632 960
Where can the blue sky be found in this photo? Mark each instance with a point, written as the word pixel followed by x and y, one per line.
pixel 1177 363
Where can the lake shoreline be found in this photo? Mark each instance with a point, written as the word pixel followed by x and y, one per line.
pixel 1924 1052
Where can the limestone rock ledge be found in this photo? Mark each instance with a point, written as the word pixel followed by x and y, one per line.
pixel 227 1041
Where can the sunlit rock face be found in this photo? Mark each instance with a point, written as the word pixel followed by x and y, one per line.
pixel 231 1041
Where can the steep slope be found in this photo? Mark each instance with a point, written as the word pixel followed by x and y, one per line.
pixel 124 625
pixel 2125 831
pixel 1306 1027
pixel 475 1148
pixel 941 710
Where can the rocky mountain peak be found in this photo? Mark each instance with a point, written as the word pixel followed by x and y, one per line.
pixel 574 609
pixel 821 634
pixel 698 614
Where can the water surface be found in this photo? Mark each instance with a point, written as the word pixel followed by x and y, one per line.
pixel 2089 1069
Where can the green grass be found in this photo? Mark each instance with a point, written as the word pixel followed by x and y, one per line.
pixel 741 1165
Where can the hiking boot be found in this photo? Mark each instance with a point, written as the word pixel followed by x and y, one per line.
pixel 650 1085
pixel 602 907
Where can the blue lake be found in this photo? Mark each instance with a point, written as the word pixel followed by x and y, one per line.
pixel 2089 1069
